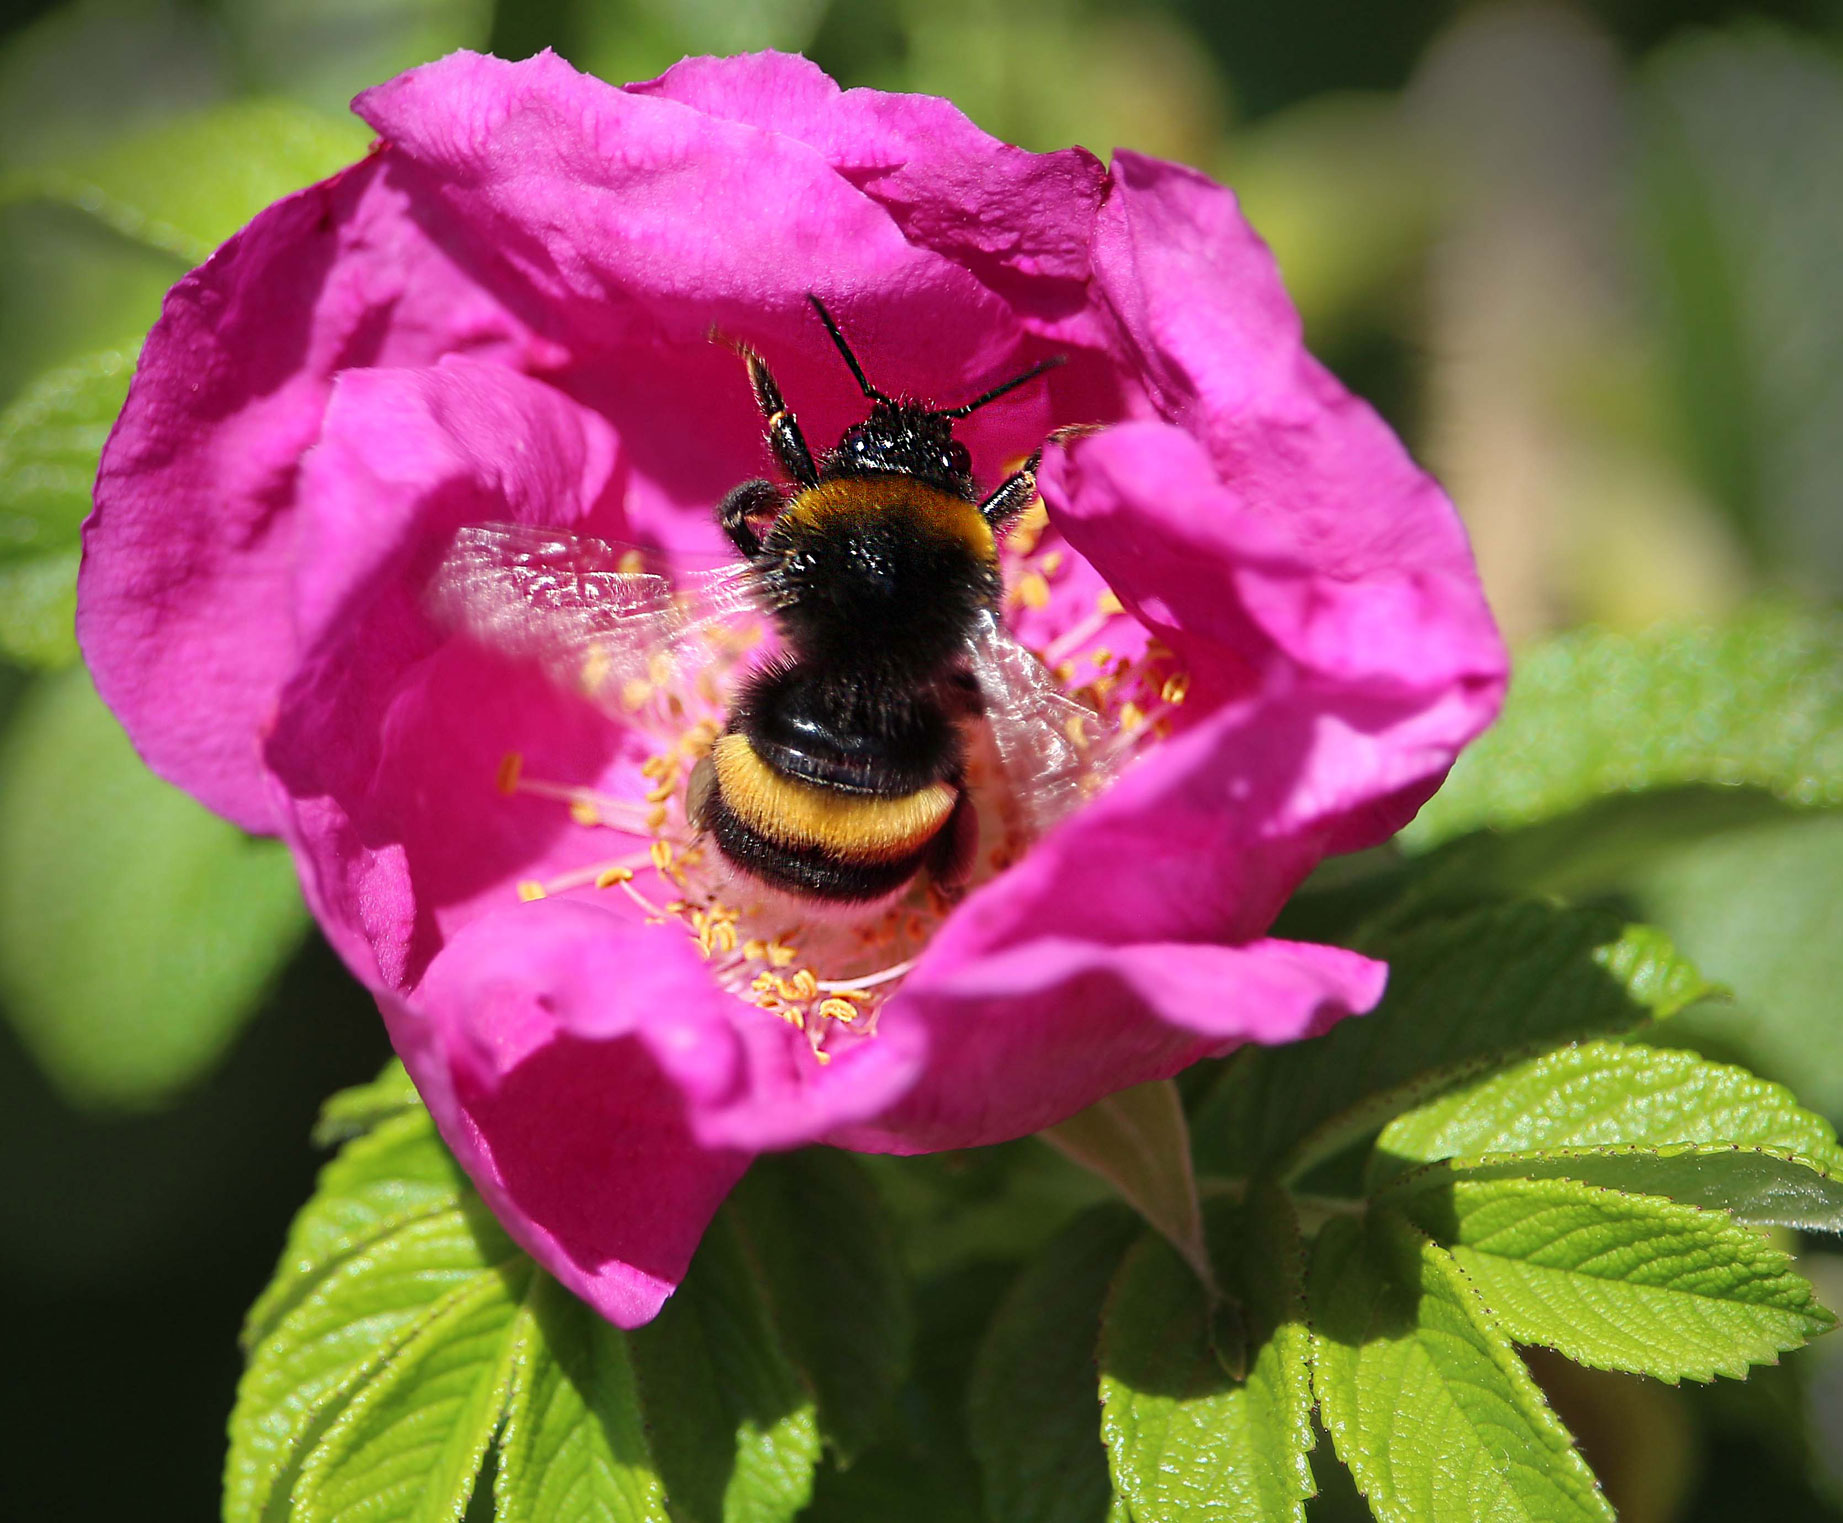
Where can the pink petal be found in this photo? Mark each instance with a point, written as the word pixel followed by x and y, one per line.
pixel 1026 1037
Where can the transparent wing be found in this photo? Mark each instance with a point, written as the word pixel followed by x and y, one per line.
pixel 581 610
pixel 1055 752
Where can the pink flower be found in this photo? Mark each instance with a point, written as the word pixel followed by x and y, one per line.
pixel 501 315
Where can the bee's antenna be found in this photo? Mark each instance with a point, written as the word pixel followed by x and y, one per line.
pixel 998 391
pixel 845 349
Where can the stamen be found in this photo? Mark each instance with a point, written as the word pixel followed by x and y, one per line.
pixel 850 986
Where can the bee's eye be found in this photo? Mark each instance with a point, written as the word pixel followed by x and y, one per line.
pixel 959 459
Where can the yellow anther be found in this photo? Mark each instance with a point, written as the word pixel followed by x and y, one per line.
pixel 529 889
pixel 676 907
pixel 584 813
pixel 755 949
pixel 838 1009
pixel 609 876
pixel 1076 728
pixel 661 854
pixel 511 768
pixel 661 791
pixel 722 935
pixel 821 1058
pixel 763 982
pixel 1032 590
pixel 1100 655
pixel 1052 562
pixel 635 691
pixel 660 668
pixel 655 766
pixel 780 954
pixel 631 562
pixel 1176 688
pixel 1131 716
pixel 1029 528
pixel 1065 672
pixel 1109 604
pixel 656 817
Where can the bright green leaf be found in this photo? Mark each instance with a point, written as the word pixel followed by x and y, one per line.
pixel 575 1444
pixel 398 1174
pixel 186 186
pixel 1463 993
pixel 1138 1141
pixel 1194 1429
pixel 1032 1407
pixel 1601 1095
pixel 137 930
pixel 38 609
pixel 1423 1397
pixel 1755 702
pixel 1617 1281
pixel 409 1444
pixel 336 1338
pixel 735 1433
pixel 1741 150
pixel 813 1218
pixel 50 438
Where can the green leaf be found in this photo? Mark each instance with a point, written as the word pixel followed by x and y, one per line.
pixel 1761 1186
pixel 1138 1141
pixel 812 1218
pixel 575 1442
pixel 50 438
pixel 1617 1281
pixel 1757 909
pixel 1741 148
pixel 1605 1095
pixel 136 930
pixel 1424 1399
pixel 1192 1428
pixel 1755 702
pixel 187 185
pixel 408 1446
pixel 1464 993
pixel 735 1433
pixel 365 1107
pixel 398 1174
pixel 1032 1404
pixel 341 1334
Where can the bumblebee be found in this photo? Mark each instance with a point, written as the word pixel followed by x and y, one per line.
pixel 839 773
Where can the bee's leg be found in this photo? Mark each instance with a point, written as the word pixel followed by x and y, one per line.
pixel 784 436
pixel 744 504
pixel 1016 492
pixel 1012 495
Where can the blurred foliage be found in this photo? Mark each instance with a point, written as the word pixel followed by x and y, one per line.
pixel 1584 256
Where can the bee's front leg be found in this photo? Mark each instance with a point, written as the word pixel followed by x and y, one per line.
pixel 738 512
pixel 1016 492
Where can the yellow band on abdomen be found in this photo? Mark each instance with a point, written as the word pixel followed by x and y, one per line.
pixel 852 826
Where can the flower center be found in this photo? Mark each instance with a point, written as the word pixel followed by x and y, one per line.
pixel 825 971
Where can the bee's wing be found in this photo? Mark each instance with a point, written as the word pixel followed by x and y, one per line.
pixel 563 602
pixel 1054 751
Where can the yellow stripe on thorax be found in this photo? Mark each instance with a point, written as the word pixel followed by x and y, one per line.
pixel 952 517
pixel 854 826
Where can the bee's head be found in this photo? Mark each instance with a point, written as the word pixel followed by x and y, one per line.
pixel 906 438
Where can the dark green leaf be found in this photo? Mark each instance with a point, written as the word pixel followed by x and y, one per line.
pixel 1207 1407
pixel 735 1434
pixel 1032 1406
pixel 1618 1281
pixel 575 1442
pixel 812 1219
pixel 1463 994
pixel 1423 1397
pixel 136 929
pixel 1138 1141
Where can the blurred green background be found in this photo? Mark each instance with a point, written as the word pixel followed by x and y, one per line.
pixel 1587 258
